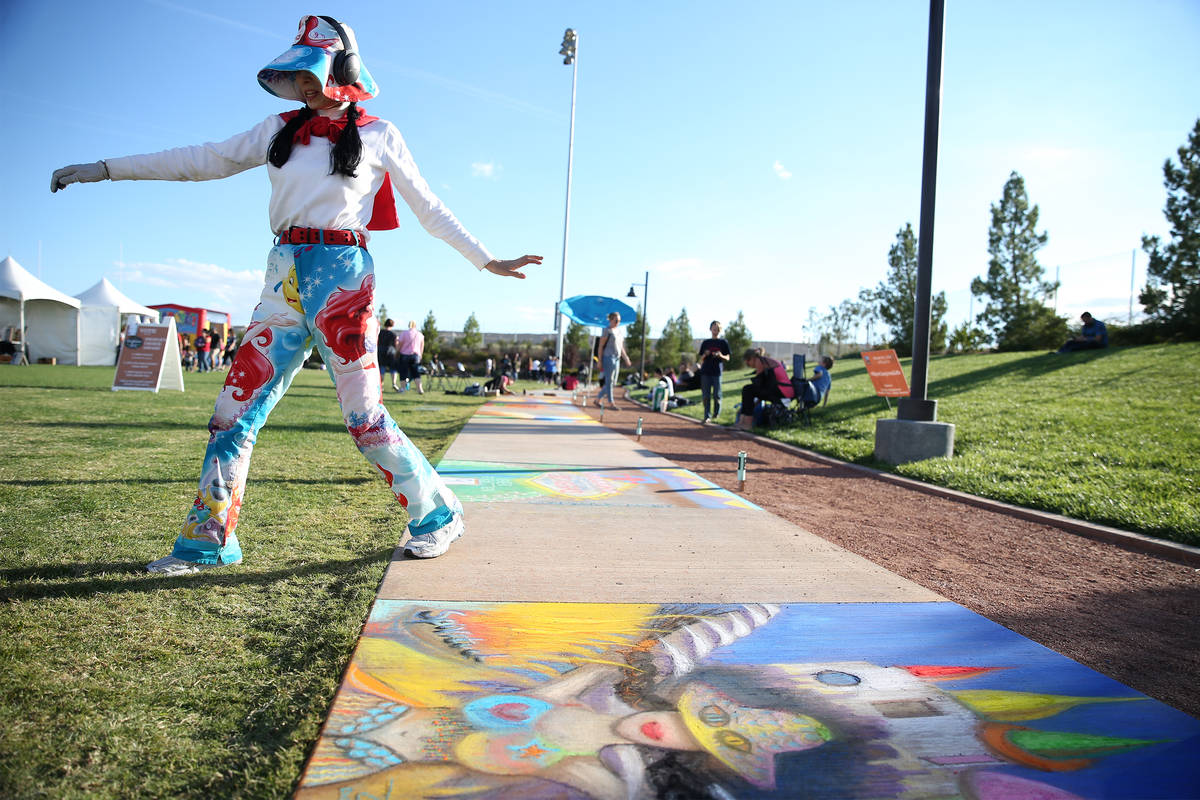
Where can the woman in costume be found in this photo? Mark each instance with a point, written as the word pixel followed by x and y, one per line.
pixel 332 169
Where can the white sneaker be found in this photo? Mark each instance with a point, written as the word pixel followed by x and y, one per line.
pixel 177 566
pixel 434 543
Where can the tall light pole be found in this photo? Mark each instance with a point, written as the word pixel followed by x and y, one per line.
pixel 917 406
pixel 645 305
pixel 570 46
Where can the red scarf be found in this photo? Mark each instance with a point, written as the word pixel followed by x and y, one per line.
pixel 383 211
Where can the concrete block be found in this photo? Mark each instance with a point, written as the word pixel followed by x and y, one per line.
pixel 899 441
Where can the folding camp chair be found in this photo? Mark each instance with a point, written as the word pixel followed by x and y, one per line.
pixel 803 408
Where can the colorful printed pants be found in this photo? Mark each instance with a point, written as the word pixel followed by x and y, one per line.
pixel 322 296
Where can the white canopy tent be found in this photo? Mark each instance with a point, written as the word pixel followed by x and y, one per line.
pixel 48 318
pixel 103 312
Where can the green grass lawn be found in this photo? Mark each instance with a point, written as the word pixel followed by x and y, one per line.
pixel 1107 436
pixel 117 683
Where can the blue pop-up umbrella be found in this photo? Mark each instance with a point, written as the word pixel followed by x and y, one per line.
pixel 593 310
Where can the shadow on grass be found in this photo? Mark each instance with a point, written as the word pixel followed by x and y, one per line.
pixel 407 424
pixel 327 481
pixel 1018 371
pixel 85 580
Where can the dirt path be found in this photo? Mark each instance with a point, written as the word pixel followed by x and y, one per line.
pixel 1133 617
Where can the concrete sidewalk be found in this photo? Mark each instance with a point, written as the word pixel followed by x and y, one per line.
pixel 589 562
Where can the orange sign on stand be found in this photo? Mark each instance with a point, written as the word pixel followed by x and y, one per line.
pixel 885 373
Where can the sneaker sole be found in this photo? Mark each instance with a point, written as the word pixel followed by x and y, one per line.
pixel 432 553
pixel 180 569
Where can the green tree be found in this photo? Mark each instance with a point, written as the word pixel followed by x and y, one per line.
pixel 1171 296
pixel 870 313
pixel 575 346
pixel 895 299
pixel 739 338
pixel 676 341
pixel 430 332
pixel 1016 315
pixel 472 338
pixel 634 337
pixel 382 315
pixel 967 338
pixel 837 322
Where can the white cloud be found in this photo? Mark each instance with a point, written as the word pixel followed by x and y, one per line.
pixel 782 171
pixel 235 291
pixel 488 170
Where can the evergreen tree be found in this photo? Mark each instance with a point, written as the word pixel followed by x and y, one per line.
pixel 1015 313
pixel 382 315
pixel 430 331
pixel 966 338
pixel 739 338
pixel 667 345
pixel 472 338
pixel 634 337
pixel 870 313
pixel 895 299
pixel 575 347
pixel 1172 293
pixel 676 341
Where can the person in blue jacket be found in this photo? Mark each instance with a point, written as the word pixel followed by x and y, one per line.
pixel 1093 336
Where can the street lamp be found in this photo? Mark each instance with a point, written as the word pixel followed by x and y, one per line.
pixel 645 304
pixel 570 45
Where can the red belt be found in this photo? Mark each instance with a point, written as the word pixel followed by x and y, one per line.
pixel 319 236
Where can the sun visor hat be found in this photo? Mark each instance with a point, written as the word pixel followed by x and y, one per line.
pixel 329 54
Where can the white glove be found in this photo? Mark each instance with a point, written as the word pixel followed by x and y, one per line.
pixel 78 173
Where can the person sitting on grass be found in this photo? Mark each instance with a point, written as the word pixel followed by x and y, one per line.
pixel 770 383
pixel 818 385
pixel 663 391
pixel 1093 336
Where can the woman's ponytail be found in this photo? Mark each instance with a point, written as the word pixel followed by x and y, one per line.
pixel 281 144
pixel 347 153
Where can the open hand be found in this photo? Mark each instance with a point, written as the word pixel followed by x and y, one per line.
pixel 510 269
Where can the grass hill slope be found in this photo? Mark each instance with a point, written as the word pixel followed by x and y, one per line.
pixel 1110 436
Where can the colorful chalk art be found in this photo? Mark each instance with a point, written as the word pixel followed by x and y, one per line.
pixel 615 701
pixel 476 481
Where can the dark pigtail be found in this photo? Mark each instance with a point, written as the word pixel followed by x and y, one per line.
pixel 347 153
pixel 281 145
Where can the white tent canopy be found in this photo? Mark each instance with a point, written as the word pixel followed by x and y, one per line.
pixel 48 317
pixel 100 320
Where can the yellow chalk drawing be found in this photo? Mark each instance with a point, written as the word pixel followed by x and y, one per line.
pixel 1018 706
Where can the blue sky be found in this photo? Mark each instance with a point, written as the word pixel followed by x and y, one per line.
pixel 758 158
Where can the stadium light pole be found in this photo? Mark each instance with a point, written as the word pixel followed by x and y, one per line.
pixel 645 305
pixel 570 47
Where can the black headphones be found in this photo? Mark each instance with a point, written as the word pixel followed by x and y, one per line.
pixel 346 64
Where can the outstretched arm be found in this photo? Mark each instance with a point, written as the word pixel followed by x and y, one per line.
pixel 509 269
pixel 202 162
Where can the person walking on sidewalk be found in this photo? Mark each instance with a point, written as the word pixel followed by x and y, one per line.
pixel 385 352
pixel 612 353
pixel 332 169
pixel 714 355
pixel 410 347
